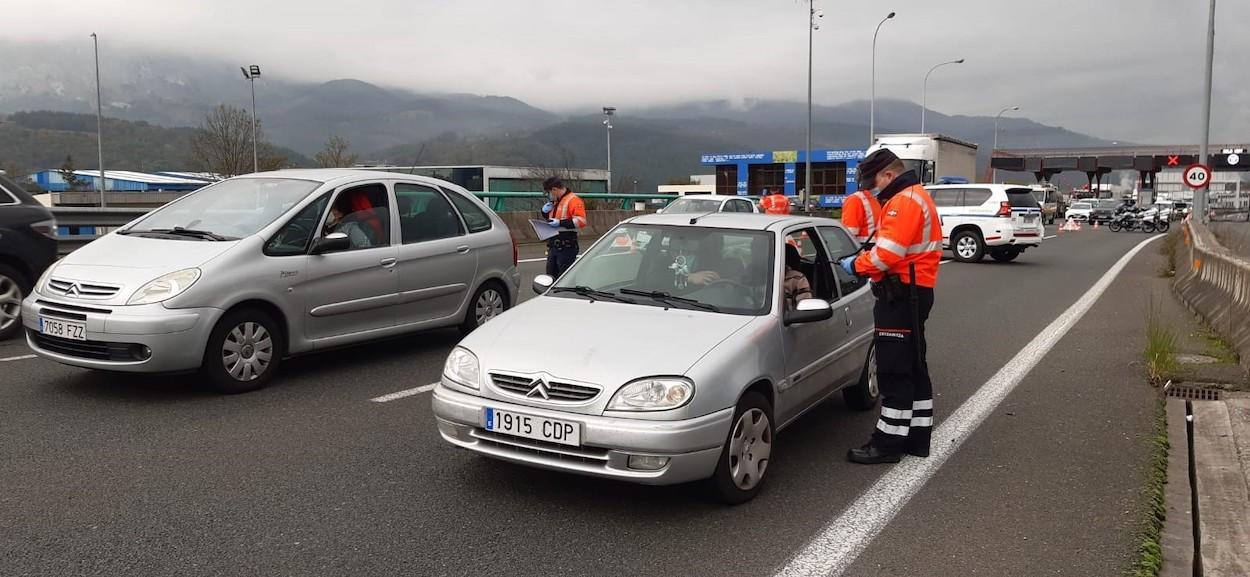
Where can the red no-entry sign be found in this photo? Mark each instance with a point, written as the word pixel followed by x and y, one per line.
pixel 1197 176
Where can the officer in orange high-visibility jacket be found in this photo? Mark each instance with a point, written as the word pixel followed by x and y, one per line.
pixel 861 213
pixel 566 212
pixel 903 265
pixel 775 203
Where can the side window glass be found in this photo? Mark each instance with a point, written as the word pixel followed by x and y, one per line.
pixel 976 196
pixel 946 197
pixel 295 236
pixel 805 254
pixel 841 245
pixel 362 213
pixel 474 216
pixel 424 214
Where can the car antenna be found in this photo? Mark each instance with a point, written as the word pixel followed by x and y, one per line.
pixel 695 220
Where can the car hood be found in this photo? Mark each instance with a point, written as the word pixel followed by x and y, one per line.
pixel 130 261
pixel 600 342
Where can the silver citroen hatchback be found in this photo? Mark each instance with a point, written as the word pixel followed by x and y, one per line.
pixel 676 356
pixel 234 277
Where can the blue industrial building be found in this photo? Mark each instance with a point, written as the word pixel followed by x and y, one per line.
pixel 833 173
pixel 124 181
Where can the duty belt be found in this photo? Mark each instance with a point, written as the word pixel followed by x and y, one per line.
pixel 563 241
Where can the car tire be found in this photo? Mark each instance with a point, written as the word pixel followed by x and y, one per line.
pixel 863 395
pixel 967 246
pixel 243 352
pixel 490 301
pixel 1005 254
pixel 13 288
pixel 741 470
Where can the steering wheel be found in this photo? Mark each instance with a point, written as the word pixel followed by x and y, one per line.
pixel 293 230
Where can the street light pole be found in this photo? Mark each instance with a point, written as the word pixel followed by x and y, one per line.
pixel 994 150
pixel 608 111
pixel 99 119
pixel 872 102
pixel 924 99
pixel 1202 195
pixel 252 73
pixel 812 27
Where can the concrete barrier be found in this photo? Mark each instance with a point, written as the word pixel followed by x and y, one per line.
pixel 1215 283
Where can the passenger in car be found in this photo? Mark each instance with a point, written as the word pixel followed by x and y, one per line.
pixel 795 285
pixel 351 222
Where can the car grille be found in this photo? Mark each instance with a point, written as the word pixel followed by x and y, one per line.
pixel 69 312
pixel 522 386
pixel 81 289
pixel 93 350
pixel 587 455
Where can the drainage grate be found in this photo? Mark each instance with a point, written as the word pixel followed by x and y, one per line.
pixel 1193 393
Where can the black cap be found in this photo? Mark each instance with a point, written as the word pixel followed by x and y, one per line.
pixel 552 183
pixel 872 164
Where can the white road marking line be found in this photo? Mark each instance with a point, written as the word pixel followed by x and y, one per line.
pixel 944 261
pixel 1050 237
pixel 20 358
pixel 404 393
pixel 528 260
pixel 834 549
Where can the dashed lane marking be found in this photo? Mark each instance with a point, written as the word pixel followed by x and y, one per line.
pixel 404 393
pixel 17 358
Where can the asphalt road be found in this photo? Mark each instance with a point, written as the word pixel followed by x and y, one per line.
pixel 122 475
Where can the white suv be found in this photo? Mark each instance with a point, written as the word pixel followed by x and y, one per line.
pixel 999 219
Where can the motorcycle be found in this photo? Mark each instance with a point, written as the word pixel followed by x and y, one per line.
pixel 1151 222
pixel 1127 220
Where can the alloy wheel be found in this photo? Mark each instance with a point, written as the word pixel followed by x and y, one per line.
pixel 489 305
pixel 247 351
pixel 10 302
pixel 749 449
pixel 966 247
pixel 874 388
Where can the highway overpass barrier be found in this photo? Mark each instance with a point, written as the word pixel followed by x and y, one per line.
pixel 1215 283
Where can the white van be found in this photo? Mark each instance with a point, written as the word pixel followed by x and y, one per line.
pixel 998 219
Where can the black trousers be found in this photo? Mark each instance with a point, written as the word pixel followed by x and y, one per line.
pixel 903 375
pixel 560 256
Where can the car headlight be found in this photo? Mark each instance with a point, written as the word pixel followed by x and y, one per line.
pixel 652 394
pixel 462 368
pixel 165 287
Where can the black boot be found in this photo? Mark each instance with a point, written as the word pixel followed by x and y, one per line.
pixel 871 454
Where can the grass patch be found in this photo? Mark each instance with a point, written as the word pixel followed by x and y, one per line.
pixel 1217 347
pixel 1171 244
pixel 1149 550
pixel 1160 346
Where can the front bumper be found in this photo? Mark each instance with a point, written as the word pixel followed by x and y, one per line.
pixel 174 338
pixel 693 446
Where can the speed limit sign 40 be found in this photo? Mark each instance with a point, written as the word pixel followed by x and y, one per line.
pixel 1197 176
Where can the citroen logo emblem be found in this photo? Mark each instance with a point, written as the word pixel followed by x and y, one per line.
pixel 72 290
pixel 538 388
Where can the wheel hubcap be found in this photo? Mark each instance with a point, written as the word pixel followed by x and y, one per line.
pixel 488 306
pixel 967 247
pixel 10 302
pixel 247 351
pixel 749 449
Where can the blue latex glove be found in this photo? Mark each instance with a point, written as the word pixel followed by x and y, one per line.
pixel 555 222
pixel 547 208
pixel 848 265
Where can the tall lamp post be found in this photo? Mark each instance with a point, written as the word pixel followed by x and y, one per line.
pixel 1201 197
pixel 995 149
pixel 812 15
pixel 924 99
pixel 608 112
pixel 872 102
pixel 251 73
pixel 99 119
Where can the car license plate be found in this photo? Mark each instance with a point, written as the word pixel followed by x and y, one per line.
pixel 1029 218
pixel 63 329
pixel 533 427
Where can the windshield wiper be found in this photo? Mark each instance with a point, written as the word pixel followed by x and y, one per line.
pixel 669 298
pixel 592 294
pixel 179 231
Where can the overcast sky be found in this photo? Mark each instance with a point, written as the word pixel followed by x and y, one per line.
pixel 1124 69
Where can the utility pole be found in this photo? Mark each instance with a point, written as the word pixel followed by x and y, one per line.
pixel 994 150
pixel 99 119
pixel 608 111
pixel 252 73
pixel 1202 195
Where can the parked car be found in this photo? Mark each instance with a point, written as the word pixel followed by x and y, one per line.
pixel 662 379
pixel 1079 211
pixel 1051 201
pixel 234 277
pixel 1103 210
pixel 705 203
pixel 27 248
pixel 996 219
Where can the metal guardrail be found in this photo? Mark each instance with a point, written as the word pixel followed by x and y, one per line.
pixel 1216 284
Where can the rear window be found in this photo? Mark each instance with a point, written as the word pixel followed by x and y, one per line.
pixel 10 192
pixel 1108 203
pixel 1021 198
pixel 1081 206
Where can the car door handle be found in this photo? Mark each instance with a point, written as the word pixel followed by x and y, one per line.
pixel 847 313
pixel 462 249
pixel 388 262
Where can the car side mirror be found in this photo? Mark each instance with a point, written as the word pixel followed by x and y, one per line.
pixel 333 242
pixel 542 282
pixel 808 311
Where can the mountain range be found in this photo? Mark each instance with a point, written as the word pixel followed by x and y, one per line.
pixel 393 125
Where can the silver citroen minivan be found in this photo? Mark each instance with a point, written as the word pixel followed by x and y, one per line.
pixel 234 277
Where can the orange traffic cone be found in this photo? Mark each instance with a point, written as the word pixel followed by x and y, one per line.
pixel 1095 225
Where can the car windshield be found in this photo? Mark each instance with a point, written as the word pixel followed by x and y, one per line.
pixel 693 205
pixel 1081 205
pixel 231 209
pixel 715 269
pixel 1108 203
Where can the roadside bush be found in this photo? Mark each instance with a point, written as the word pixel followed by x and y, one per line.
pixel 1160 346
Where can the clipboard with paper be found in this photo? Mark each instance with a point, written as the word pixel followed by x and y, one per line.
pixel 543 230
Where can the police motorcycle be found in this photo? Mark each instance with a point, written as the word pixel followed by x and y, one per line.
pixel 1127 218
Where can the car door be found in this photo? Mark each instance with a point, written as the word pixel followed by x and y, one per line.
pixel 350 293
pixel 810 349
pixel 948 205
pixel 854 305
pixel 437 262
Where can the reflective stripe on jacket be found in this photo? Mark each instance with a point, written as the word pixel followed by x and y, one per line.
pixel 571 208
pixel 910 232
pixel 860 215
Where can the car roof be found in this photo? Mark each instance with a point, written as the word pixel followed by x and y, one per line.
pixel 335 176
pixel 734 220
